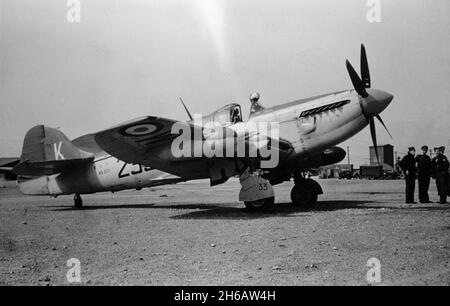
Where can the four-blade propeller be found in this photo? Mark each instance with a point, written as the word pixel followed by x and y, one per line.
pixel 361 84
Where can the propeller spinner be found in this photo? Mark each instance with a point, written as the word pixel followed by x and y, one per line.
pixel 373 101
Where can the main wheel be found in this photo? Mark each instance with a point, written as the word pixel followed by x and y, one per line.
pixel 260 205
pixel 303 196
pixel 78 202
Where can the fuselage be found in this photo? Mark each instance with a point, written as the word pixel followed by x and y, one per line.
pixel 105 173
pixel 312 130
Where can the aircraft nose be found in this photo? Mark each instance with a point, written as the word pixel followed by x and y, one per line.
pixel 377 101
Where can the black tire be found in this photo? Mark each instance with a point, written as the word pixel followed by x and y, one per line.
pixel 260 205
pixel 78 202
pixel 302 196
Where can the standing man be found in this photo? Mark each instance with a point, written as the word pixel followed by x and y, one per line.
pixel 408 165
pixel 441 165
pixel 424 170
pixel 436 149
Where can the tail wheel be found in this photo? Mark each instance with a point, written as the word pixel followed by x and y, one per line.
pixel 260 205
pixel 78 202
pixel 303 196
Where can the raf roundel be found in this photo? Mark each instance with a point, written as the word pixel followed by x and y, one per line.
pixel 140 129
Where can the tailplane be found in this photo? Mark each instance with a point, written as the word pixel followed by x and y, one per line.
pixel 43 143
pixel 48 151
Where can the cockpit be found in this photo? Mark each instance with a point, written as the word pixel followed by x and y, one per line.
pixel 228 114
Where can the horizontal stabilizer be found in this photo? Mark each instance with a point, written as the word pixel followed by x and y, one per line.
pixel 9 161
pixel 6 169
pixel 49 167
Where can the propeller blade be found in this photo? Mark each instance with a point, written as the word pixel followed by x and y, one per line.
pixel 356 81
pixel 373 133
pixel 379 119
pixel 365 74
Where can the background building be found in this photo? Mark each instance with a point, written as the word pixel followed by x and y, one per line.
pixel 336 171
pixel 386 157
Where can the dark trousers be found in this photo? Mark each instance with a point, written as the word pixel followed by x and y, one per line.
pixel 442 184
pixel 424 184
pixel 410 181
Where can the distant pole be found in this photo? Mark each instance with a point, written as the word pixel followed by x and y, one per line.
pixel 348 156
pixel 395 161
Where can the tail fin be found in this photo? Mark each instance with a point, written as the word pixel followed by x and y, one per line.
pixel 48 151
pixel 43 143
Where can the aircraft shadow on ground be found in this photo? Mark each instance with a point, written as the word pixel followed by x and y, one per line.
pixel 287 210
pixel 281 209
pixel 225 211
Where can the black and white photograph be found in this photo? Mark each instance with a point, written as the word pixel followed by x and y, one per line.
pixel 222 150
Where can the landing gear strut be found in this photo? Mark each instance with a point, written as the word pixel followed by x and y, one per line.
pixel 78 202
pixel 305 192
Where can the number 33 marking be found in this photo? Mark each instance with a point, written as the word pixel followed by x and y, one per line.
pixel 263 186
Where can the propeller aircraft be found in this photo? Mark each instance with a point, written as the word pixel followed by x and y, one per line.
pixel 139 153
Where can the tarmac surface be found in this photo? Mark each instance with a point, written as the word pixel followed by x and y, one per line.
pixel 192 234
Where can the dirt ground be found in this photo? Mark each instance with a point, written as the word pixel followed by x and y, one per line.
pixel 192 234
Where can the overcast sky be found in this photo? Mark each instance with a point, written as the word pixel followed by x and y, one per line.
pixel 131 58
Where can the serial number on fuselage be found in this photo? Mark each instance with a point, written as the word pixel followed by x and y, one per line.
pixel 126 170
pixel 138 168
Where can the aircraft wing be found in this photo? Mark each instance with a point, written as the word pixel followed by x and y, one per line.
pixel 134 140
pixel 87 143
pixel 148 141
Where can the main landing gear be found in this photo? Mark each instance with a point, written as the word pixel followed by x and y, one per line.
pixel 258 195
pixel 305 192
pixel 78 202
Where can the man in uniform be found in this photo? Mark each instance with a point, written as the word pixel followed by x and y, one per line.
pixel 436 149
pixel 424 170
pixel 441 165
pixel 255 106
pixel 408 165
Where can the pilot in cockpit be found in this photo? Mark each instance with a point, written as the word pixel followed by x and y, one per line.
pixel 255 105
pixel 236 115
